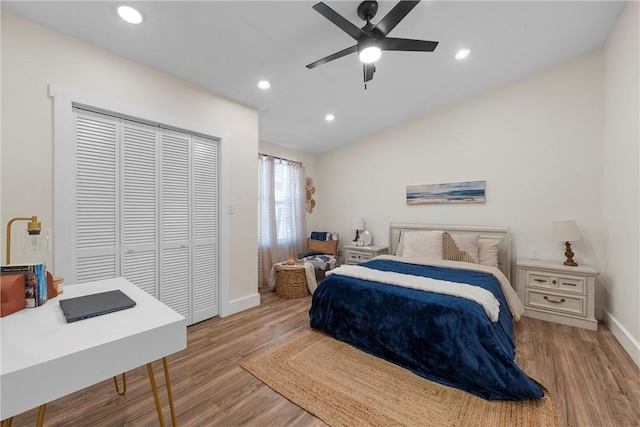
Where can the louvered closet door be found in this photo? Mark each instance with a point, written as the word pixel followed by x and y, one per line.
pixel 205 228
pixel 175 225
pixel 139 205
pixel 97 197
pixel 147 209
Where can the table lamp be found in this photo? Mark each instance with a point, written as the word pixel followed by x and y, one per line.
pixel 33 228
pixel 567 232
pixel 357 224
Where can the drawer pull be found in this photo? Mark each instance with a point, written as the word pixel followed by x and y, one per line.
pixel 568 284
pixel 554 281
pixel 557 302
pixel 540 280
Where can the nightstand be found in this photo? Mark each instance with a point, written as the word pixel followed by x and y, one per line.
pixel 557 293
pixel 357 254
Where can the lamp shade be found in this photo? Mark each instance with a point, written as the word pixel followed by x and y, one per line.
pixel 357 223
pixel 566 231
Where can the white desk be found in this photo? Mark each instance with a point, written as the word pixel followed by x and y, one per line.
pixel 45 358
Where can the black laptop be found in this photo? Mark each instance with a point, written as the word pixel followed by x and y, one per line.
pixel 79 308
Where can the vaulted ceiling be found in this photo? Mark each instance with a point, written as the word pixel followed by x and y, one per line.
pixel 228 46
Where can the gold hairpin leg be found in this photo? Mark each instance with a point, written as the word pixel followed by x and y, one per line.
pixel 152 379
pixel 124 384
pixel 156 398
pixel 167 380
pixel 41 411
pixel 39 422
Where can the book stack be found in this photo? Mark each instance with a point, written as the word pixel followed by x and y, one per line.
pixel 35 281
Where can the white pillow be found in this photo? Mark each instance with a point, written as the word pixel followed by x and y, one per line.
pixel 460 247
pixel 488 252
pixel 422 244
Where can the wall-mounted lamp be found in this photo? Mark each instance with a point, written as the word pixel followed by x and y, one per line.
pixel 357 224
pixel 567 231
pixel 33 228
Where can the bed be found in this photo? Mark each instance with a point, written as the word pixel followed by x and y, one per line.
pixel 449 321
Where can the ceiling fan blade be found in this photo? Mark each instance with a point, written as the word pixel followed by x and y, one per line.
pixel 390 43
pixel 336 55
pixel 368 70
pixel 396 15
pixel 340 21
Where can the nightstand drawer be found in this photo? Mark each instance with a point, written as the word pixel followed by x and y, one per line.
pixel 563 303
pixel 356 254
pixel 357 257
pixel 569 284
pixel 563 283
pixel 535 280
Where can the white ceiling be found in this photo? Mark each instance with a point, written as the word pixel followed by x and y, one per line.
pixel 227 46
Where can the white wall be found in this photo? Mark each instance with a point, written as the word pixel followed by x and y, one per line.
pixel 34 57
pixel 310 161
pixel 537 143
pixel 621 187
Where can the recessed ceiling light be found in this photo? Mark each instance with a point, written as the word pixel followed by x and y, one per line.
pixel 264 84
pixel 129 14
pixel 463 53
pixel 329 117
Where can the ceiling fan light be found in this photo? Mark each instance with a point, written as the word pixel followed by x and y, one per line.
pixel 129 14
pixel 329 117
pixel 369 51
pixel 370 54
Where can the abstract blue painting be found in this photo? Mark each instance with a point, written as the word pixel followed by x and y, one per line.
pixel 455 192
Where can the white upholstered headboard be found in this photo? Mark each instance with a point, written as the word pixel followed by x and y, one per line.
pixel 502 234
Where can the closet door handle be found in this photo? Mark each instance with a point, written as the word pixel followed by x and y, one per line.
pixel 556 302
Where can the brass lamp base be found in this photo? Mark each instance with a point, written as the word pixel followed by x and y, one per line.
pixel 569 254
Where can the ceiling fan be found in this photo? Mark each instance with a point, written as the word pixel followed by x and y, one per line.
pixel 372 39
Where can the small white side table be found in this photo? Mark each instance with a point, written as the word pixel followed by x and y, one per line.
pixel 558 293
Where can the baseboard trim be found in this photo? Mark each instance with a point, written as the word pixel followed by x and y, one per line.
pixel 630 345
pixel 240 304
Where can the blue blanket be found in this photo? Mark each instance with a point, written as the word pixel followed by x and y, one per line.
pixel 444 338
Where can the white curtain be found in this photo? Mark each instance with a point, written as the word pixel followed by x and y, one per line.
pixel 281 213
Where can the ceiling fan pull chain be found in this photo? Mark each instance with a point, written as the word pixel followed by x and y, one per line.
pixel 364 74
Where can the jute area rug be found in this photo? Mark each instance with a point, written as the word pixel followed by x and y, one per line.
pixel 344 386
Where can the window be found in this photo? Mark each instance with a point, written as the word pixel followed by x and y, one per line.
pixel 281 212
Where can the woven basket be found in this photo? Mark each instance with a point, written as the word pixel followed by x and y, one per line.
pixel 291 282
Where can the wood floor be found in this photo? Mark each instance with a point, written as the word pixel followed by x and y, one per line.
pixel 593 381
